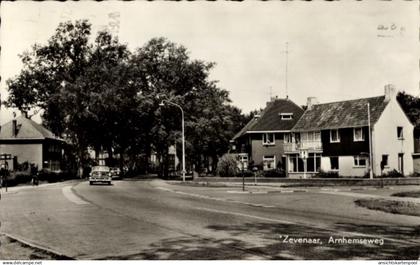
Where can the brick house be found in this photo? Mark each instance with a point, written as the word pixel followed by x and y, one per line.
pixel 262 139
pixel 28 141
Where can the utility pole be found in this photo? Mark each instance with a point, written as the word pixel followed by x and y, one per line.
pixel 287 61
pixel 370 144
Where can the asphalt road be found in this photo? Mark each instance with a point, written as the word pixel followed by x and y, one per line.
pixel 155 220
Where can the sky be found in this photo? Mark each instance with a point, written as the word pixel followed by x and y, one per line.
pixel 337 50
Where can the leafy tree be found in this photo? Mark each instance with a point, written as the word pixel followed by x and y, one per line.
pixel 98 94
pixel 81 87
pixel 411 106
pixel 46 71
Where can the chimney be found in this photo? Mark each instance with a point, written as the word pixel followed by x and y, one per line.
pixel 311 101
pixel 272 99
pixel 390 92
pixel 14 127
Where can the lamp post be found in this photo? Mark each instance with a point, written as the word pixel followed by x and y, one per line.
pixel 183 134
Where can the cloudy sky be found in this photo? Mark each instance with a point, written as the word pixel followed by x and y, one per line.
pixel 337 50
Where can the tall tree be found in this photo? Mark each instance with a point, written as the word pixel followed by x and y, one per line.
pixel 51 70
pixel 102 96
pixel 411 106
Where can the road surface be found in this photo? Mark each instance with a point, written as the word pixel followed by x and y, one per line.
pixel 151 219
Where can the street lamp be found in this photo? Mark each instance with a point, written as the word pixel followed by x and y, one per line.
pixel 183 134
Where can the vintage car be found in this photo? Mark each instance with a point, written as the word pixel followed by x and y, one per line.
pixel 115 173
pixel 100 174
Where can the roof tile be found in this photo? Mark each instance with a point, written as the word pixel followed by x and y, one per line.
pixel 270 120
pixel 343 114
pixel 28 129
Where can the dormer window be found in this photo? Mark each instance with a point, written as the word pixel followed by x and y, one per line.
pixel 286 116
pixel 268 139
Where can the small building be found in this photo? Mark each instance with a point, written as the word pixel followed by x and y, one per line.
pixel 262 139
pixel 341 136
pixel 29 142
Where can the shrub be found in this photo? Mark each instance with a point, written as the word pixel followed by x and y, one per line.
pixel 326 174
pixel 247 173
pixel 415 175
pixel 227 166
pixel 392 174
pixel 22 178
pixel 275 173
pixel 51 176
pixel 17 178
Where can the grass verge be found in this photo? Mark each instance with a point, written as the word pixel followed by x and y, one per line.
pixel 389 206
pixel 412 194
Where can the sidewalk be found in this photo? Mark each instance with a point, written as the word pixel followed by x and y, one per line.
pixel 20 187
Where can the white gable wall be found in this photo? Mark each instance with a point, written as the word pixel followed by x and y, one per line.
pixel 385 140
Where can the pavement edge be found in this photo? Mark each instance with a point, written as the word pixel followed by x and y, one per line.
pixel 55 254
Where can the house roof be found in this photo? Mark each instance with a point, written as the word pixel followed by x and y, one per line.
pixel 27 129
pixel 269 119
pixel 342 114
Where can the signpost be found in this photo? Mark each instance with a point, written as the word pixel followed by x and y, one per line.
pixel 304 155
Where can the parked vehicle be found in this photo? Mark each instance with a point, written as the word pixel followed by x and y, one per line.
pixel 115 173
pixel 100 174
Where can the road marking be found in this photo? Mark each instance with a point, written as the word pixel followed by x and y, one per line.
pixel 162 188
pixel 243 215
pixel 68 193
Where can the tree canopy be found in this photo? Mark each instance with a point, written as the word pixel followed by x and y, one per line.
pixel 101 95
pixel 411 106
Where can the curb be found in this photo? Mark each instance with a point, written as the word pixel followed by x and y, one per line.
pixel 286 191
pixel 246 192
pixel 56 255
pixel 265 192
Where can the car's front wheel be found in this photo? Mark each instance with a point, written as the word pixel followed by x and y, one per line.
pixel 90 182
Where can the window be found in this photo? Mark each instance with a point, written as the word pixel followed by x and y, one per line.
pixel 313 163
pixel 334 136
pixel 54 165
pixel 358 135
pixel 384 162
pixel 54 149
pixel 243 161
pixel 360 161
pixel 269 162
pixel 334 163
pixel 286 116
pixel 268 139
pixel 400 134
pixel 287 138
pixel 311 136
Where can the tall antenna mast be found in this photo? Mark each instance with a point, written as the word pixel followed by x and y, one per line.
pixel 287 61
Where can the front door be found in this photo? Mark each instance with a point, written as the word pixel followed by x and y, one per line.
pixel 401 163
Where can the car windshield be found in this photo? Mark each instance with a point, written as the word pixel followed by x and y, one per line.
pixel 100 168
